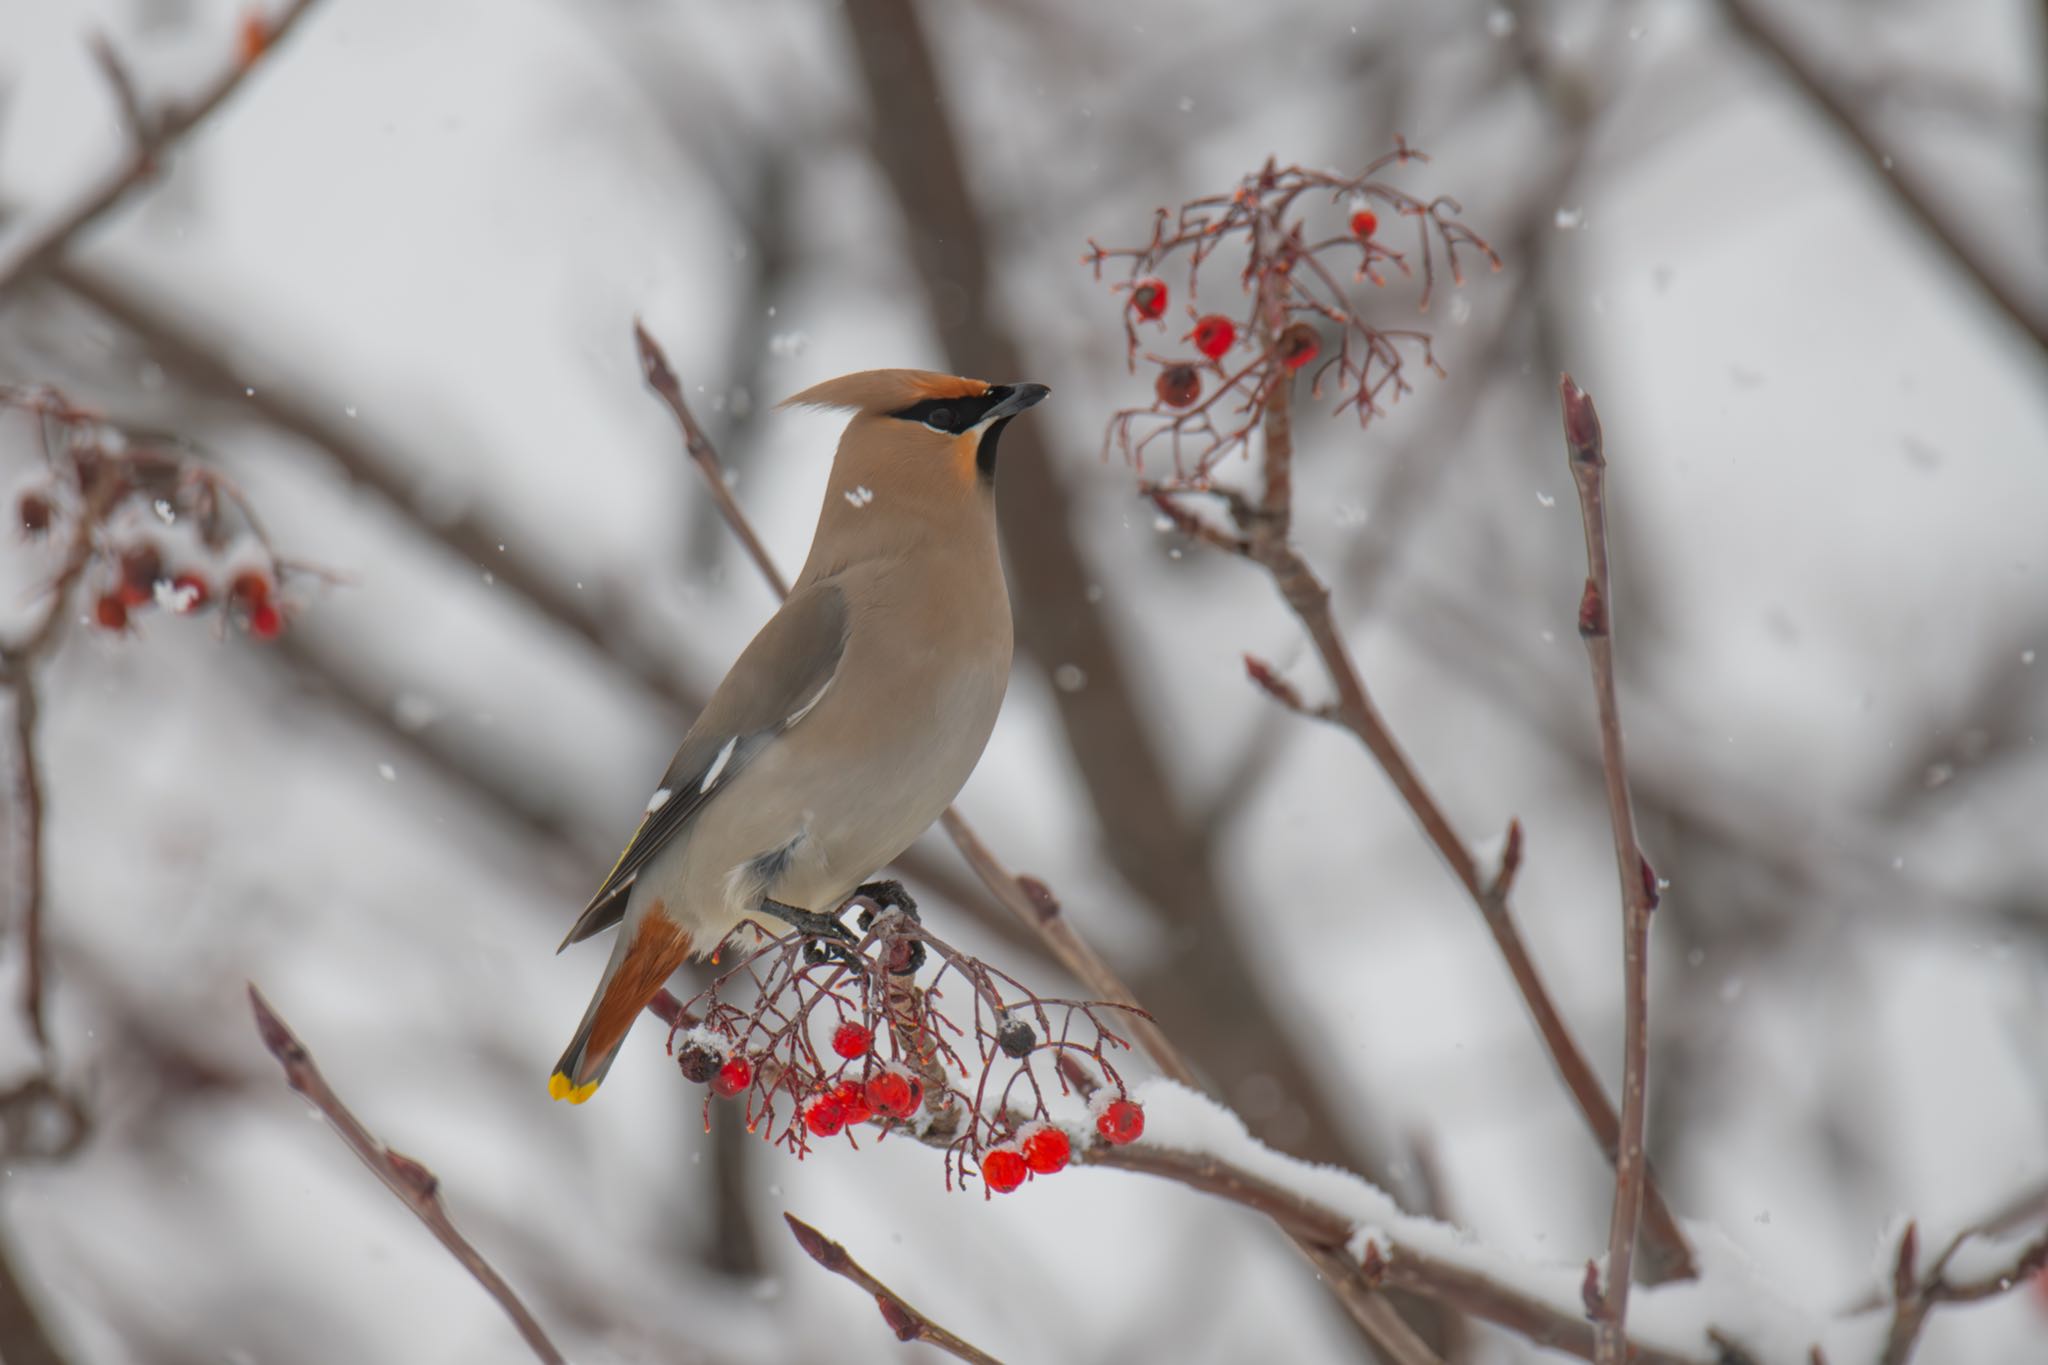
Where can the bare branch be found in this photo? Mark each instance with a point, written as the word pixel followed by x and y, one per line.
pixel 1918 202
pixel 28 788
pixel 416 1187
pixel 907 1322
pixel 1638 883
pixel 655 367
pixel 24 1338
pixel 1914 1299
pixel 1389 1263
pixel 155 135
pixel 19 660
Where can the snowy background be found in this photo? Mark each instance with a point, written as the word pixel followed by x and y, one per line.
pixel 417 240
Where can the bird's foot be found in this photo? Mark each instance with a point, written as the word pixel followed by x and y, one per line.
pixel 826 939
pixel 906 954
pixel 888 895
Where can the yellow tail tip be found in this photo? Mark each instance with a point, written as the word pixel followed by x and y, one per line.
pixel 560 1088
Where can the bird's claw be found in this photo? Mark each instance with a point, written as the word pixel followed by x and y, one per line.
pixel 886 895
pixel 825 936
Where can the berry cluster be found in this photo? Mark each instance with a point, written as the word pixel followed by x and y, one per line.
pixel 1296 310
pixel 144 524
pixel 818 1047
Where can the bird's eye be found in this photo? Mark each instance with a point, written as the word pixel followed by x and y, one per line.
pixel 942 418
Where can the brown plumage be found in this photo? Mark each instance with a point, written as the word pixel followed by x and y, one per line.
pixel 879 392
pixel 852 719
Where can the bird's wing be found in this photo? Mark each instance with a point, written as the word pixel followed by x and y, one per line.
pixel 776 682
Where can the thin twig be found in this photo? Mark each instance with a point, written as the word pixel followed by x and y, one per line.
pixel 154 136
pixel 418 1188
pixel 1034 904
pixel 907 1322
pixel 1920 203
pixel 1638 883
pixel 1390 1332
pixel 654 367
pixel 19 660
pixel 1915 1298
pixel 29 794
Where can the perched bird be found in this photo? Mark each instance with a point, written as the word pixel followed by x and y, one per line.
pixel 851 721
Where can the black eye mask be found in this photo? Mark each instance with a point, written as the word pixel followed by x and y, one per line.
pixel 954 414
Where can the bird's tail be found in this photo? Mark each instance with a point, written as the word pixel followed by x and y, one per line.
pixel 647 953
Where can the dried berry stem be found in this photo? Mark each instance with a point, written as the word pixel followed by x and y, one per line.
pixel 154 134
pixel 1638 887
pixel 416 1187
pixel 906 1321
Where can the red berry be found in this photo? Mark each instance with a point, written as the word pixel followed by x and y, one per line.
pixel 1364 223
pixel 1047 1149
pixel 189 593
pixel 1121 1121
pixel 1148 299
pixel 1214 334
pixel 1178 386
pixel 852 1040
pixel 853 1101
pixel 250 587
pixel 895 1093
pixel 1298 345
pixel 110 612
pixel 824 1116
pixel 1003 1168
pixel 34 513
pixel 736 1075
pixel 266 622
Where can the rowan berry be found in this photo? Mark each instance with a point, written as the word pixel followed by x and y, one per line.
pixel 1121 1121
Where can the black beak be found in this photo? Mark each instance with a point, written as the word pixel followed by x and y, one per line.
pixel 1020 397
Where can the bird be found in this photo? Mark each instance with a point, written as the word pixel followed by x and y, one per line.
pixel 847 725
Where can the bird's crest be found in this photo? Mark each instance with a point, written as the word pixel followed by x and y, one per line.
pixel 885 391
